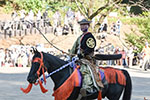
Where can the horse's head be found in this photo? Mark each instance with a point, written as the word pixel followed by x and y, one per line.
pixel 42 62
pixel 37 67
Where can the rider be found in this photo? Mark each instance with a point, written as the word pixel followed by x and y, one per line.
pixel 84 48
pixel 85 43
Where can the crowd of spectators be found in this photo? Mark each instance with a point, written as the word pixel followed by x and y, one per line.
pixel 19 55
pixel 113 28
pixel 129 56
pixel 61 24
pixel 15 56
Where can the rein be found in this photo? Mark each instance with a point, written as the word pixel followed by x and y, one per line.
pixel 40 81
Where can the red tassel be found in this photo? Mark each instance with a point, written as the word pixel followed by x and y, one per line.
pixel 27 90
pixel 99 95
pixel 42 88
pixel 44 76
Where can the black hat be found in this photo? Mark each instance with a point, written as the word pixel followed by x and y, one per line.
pixel 84 21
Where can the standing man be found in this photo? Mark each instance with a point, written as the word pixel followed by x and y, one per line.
pixel 84 48
pixel 118 26
pixel 146 57
pixel 130 56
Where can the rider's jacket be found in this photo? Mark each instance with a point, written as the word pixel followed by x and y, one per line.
pixel 84 44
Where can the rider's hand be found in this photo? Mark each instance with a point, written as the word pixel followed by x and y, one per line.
pixel 80 56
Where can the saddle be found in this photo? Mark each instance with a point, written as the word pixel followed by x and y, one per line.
pixel 94 72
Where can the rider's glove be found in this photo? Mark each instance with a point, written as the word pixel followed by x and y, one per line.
pixel 80 56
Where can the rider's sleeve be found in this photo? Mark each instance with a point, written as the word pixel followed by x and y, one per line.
pixel 75 47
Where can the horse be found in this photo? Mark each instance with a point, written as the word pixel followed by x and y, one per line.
pixel 51 63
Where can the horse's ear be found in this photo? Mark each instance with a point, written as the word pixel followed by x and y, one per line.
pixel 34 50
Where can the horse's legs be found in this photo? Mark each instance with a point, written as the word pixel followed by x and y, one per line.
pixel 116 97
pixel 114 91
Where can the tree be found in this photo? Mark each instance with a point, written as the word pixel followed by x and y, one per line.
pixel 92 8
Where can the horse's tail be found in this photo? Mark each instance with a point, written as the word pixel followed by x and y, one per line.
pixel 128 87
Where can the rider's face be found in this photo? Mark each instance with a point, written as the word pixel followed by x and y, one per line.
pixel 84 27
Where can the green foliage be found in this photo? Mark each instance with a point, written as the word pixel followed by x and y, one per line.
pixel 62 6
pixel 35 5
pixel 144 25
pixel 146 14
pixel 8 7
pixel 135 40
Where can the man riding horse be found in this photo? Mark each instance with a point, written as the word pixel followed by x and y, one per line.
pixel 84 48
pixel 74 86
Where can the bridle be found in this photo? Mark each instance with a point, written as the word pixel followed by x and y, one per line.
pixel 39 60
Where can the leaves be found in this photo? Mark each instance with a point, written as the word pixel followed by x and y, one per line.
pixel 144 26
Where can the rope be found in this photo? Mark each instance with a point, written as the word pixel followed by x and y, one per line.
pixel 49 41
pixel 72 64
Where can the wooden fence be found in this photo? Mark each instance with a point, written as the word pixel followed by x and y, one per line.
pixel 20 28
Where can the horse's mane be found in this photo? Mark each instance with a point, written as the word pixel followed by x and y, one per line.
pixel 53 60
pixel 52 57
pixel 47 57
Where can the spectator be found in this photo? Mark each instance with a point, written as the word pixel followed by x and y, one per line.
pixel 117 51
pixel 59 30
pixel 39 16
pixel 70 14
pixel 130 56
pixel 2 57
pixel 113 29
pixel 146 58
pixel 30 16
pixel 45 15
pixel 118 27
pixel 70 17
pixel 24 58
pixel 65 30
pixel 14 16
pixel 22 15
pixel 56 20
pixel 123 59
